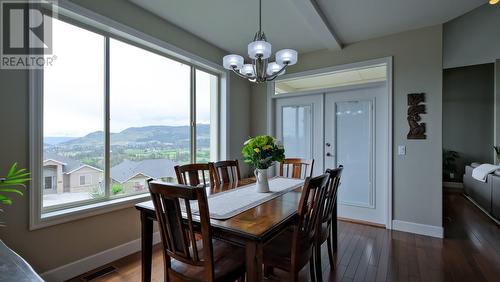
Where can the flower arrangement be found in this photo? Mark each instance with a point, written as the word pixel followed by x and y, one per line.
pixel 262 151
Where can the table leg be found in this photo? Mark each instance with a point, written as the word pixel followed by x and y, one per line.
pixel 254 261
pixel 146 246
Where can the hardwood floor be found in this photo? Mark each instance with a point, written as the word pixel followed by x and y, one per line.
pixel 469 252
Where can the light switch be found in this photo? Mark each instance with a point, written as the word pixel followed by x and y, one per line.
pixel 401 150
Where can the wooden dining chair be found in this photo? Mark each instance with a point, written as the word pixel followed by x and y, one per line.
pixel 227 171
pixel 292 250
pixel 195 174
pixel 327 229
pixel 186 258
pixel 296 168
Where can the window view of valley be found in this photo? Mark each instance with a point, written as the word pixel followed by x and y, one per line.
pixel 149 112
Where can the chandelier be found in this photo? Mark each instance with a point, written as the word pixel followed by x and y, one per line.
pixel 259 51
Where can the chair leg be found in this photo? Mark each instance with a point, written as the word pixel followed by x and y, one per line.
pixel 268 271
pixel 312 272
pixel 330 250
pixel 317 260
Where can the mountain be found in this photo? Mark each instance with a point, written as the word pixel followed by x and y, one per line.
pixel 54 140
pixel 146 134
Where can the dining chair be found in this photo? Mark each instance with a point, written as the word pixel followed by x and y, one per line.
pixel 195 174
pixel 186 258
pixel 296 168
pixel 327 228
pixel 227 171
pixel 292 249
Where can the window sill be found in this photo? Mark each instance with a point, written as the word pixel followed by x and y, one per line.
pixel 71 214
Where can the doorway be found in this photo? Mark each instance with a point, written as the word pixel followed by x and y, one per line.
pixel 349 126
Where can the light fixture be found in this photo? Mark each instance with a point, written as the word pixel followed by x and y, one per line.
pixel 259 51
pixel 494 2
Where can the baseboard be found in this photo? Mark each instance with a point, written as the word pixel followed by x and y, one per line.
pixel 89 263
pixel 417 228
pixel 453 185
pixel 481 208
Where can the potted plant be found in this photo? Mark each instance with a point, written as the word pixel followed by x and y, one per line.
pixel 449 164
pixel 261 152
pixel 11 184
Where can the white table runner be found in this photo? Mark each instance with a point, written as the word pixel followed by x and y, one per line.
pixel 227 204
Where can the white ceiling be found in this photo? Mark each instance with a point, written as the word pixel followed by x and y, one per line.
pixel 304 25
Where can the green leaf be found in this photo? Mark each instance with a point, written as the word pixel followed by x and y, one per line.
pixel 12 170
pixel 21 176
pixel 11 190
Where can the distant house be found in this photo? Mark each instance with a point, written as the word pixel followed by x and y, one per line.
pixel 132 175
pixel 62 175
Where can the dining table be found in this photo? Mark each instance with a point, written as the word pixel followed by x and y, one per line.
pixel 250 229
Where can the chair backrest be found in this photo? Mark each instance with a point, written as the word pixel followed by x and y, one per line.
pixel 332 188
pixel 227 171
pixel 178 234
pixel 195 174
pixel 296 168
pixel 310 208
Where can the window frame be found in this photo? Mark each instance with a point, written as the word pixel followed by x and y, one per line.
pixel 73 14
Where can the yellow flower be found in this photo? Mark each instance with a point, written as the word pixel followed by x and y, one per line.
pixel 266 147
pixel 256 150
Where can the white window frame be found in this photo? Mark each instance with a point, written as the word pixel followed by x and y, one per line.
pixel 110 27
pixel 85 177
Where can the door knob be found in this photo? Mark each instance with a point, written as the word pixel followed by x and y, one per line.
pixel 328 154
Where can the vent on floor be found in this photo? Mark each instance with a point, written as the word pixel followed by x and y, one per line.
pixel 98 273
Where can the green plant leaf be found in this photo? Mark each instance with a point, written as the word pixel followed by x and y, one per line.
pixel 11 190
pixel 12 170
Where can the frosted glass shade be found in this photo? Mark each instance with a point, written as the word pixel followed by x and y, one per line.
pixel 230 61
pixel 247 70
pixel 286 56
pixel 259 48
pixel 273 68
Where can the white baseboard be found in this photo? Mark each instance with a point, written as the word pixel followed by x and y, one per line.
pixel 89 263
pixel 417 228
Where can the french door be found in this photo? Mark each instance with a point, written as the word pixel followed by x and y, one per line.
pixel 348 128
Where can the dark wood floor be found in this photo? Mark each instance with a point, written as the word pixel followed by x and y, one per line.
pixel 469 252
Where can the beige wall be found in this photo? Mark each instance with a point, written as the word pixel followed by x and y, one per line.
pixel 74 180
pixel 55 246
pixel 417 68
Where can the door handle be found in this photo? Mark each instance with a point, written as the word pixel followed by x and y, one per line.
pixel 328 154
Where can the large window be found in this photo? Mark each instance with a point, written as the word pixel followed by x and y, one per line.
pixel 115 114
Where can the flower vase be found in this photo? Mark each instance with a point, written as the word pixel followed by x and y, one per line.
pixel 262 181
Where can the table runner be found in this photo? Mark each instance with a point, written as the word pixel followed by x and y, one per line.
pixel 229 203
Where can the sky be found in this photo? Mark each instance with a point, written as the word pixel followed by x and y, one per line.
pixel 145 88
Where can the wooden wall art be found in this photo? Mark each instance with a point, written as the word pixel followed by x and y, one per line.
pixel 416 107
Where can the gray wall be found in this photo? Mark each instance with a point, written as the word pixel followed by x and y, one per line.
pixel 473 38
pixel 468 113
pixel 417 192
pixel 496 122
pixel 54 246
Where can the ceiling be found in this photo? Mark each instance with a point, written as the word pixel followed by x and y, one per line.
pixel 304 25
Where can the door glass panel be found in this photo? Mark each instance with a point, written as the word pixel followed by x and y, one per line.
pixel 354 149
pixel 296 131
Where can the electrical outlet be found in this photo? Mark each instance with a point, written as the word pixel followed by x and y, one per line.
pixel 401 150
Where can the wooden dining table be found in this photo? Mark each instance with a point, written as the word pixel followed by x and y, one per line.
pixel 251 229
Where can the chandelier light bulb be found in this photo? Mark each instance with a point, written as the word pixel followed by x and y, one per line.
pixel 286 57
pixel 247 70
pixel 259 48
pixel 494 2
pixel 273 68
pixel 232 61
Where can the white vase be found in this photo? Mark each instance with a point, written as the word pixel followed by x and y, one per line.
pixel 262 181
